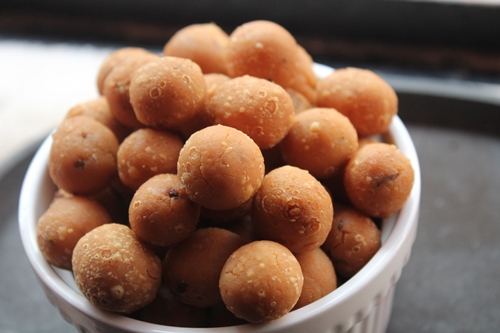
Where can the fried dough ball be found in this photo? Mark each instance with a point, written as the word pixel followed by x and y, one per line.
pixel 261 281
pixel 116 88
pixel 319 276
pixel 361 95
pixel 266 50
pixel 168 92
pixel 98 109
pixel 202 120
pixel 114 270
pixel 113 60
pixel 221 167
pixel 192 268
pixel 321 140
pixel 145 153
pixel 292 208
pixel 378 179
pixel 83 156
pixel 168 310
pixel 352 242
pixel 202 43
pixel 261 109
pixel 66 220
pixel 161 213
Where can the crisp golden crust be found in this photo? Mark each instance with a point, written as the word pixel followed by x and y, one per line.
pixel 319 276
pixel 221 167
pixel 168 92
pixel 202 43
pixel 115 270
pixel 261 109
pixel 83 156
pixel 353 241
pixel 161 213
pixel 321 141
pixel 378 179
pixel 266 50
pixel 364 97
pixel 62 225
pixel 98 109
pixel 192 268
pixel 145 153
pixel 113 59
pixel 116 88
pixel 292 208
pixel 261 281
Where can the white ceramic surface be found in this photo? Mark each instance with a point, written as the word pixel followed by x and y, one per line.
pixel 362 304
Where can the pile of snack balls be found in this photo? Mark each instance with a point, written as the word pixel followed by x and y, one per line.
pixel 199 189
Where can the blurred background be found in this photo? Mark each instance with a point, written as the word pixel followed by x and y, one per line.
pixel 442 57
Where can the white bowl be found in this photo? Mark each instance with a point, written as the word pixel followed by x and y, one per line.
pixel 362 304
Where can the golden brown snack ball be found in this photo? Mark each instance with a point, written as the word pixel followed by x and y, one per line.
pixel 378 179
pixel 82 158
pixel 114 270
pixel 98 109
pixel 192 268
pixel 203 43
pixel 168 310
pixel 321 140
pixel 202 120
pixel 352 242
pixel 168 92
pixel 161 213
pixel 267 50
pixel 261 281
pixel 116 88
pixel 261 109
pixel 363 96
pixel 66 220
pixel 292 208
pixel 221 167
pixel 145 153
pixel 319 276
pixel 113 59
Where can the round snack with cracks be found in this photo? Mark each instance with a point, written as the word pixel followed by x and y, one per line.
pixel 352 242
pixel 115 270
pixel 378 179
pixel 145 153
pixel 62 225
pixel 202 43
pixel 261 109
pixel 292 208
pixel 266 50
pixel 261 281
pixel 98 109
pixel 161 213
pixel 361 95
pixel 168 92
pixel 191 269
pixel 319 276
pixel 321 141
pixel 83 156
pixel 221 167
pixel 113 60
pixel 116 88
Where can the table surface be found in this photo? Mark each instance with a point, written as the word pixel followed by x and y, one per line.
pixel 450 283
